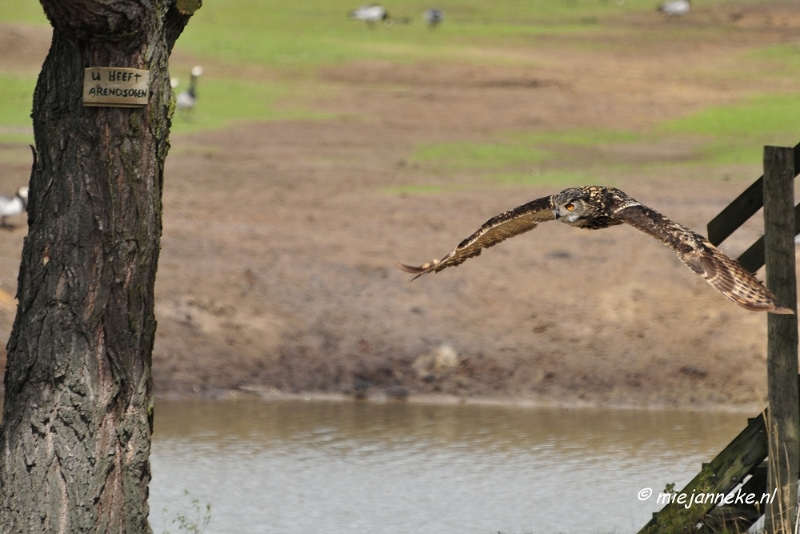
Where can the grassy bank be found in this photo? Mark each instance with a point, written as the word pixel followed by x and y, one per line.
pixel 263 64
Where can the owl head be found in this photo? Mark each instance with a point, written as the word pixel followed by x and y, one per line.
pixel 578 206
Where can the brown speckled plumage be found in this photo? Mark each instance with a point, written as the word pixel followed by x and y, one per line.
pixel 596 207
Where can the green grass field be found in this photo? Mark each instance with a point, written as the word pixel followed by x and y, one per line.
pixel 735 134
pixel 293 38
pixel 16 94
pixel 521 158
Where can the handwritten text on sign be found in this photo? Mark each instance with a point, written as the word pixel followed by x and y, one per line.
pixel 115 87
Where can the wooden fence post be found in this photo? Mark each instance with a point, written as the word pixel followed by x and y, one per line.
pixel 782 368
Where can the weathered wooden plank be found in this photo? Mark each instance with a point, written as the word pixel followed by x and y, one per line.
pixel 737 212
pixel 782 339
pixel 752 259
pixel 741 457
pixel 740 517
pixel 743 207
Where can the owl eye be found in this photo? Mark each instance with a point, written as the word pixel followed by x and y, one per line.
pixel 570 207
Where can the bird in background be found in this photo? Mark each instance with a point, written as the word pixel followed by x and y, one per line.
pixel 371 14
pixel 598 207
pixel 433 17
pixel 11 206
pixel 675 8
pixel 186 100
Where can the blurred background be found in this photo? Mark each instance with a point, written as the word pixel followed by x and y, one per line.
pixel 321 142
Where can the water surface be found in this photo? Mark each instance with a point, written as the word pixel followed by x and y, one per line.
pixel 356 467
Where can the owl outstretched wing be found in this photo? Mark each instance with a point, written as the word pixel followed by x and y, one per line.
pixel 499 228
pixel 723 273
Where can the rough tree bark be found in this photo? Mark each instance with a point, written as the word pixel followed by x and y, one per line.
pixel 77 418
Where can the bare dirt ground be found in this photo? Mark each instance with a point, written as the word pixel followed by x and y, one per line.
pixel 277 273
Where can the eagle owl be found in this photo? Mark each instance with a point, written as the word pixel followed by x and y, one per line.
pixel 596 207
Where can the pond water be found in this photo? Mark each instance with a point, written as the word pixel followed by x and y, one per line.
pixel 397 468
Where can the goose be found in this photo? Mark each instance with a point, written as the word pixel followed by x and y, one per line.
pixel 11 206
pixel 433 17
pixel 371 14
pixel 187 99
pixel 675 8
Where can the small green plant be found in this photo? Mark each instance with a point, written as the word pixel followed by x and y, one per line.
pixel 196 524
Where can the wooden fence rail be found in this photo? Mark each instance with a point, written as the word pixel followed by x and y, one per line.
pixel 740 458
pixel 743 207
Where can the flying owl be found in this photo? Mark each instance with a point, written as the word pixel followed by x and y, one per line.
pixel 596 207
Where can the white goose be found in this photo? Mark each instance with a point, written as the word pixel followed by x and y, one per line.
pixel 372 14
pixel 675 8
pixel 11 206
pixel 188 99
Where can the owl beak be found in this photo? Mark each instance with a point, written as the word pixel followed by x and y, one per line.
pixel 556 215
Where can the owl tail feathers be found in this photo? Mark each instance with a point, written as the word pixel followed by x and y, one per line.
pixel 767 303
pixel 419 271
pixel 781 309
pixel 731 279
pixel 410 268
pixel 757 297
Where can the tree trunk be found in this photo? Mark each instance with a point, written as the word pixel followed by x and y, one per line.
pixel 77 418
